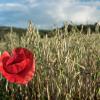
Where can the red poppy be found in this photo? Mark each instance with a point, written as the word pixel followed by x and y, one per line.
pixel 18 67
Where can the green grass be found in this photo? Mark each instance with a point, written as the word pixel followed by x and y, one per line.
pixel 67 66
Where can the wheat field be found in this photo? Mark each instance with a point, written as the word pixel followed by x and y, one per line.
pixel 67 66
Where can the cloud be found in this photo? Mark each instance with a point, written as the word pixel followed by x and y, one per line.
pixel 85 14
pixel 45 13
pixel 30 1
pixel 18 6
pixel 12 6
pixel 74 11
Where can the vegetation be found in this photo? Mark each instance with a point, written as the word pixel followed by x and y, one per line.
pixel 67 65
pixel 42 32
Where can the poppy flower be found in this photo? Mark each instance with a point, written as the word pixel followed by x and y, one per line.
pixel 18 67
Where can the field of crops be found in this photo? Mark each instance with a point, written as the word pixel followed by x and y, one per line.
pixel 67 66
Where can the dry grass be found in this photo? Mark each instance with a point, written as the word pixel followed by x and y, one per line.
pixel 67 66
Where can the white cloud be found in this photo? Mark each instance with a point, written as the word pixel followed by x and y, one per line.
pixel 58 10
pixel 24 7
pixel 48 12
pixel 12 6
pixel 31 1
pixel 84 15
pixel 74 11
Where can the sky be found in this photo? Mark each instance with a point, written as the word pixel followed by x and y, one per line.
pixel 47 13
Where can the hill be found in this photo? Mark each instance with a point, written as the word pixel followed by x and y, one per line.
pixel 84 28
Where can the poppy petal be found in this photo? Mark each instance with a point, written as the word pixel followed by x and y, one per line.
pixel 21 78
pixel 20 67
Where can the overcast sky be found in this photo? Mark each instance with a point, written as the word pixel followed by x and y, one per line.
pixel 46 13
